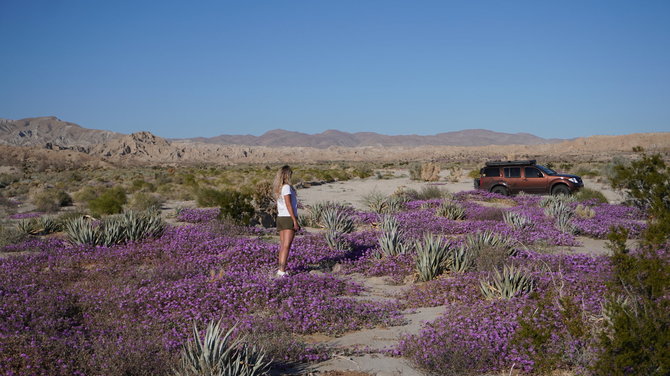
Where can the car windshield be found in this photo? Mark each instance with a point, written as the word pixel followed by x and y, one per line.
pixel 546 170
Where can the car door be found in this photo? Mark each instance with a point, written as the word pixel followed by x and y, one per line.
pixel 513 178
pixel 533 181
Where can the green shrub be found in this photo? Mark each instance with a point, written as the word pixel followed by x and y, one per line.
pixel 10 235
pixel 234 205
pixel 363 172
pixel 588 194
pixel 554 320
pixel 430 192
pixel 51 200
pixel 111 201
pixel 144 201
pixel 87 193
pixel 646 182
pixel 636 335
pixel 7 179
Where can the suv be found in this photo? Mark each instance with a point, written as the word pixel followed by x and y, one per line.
pixel 510 177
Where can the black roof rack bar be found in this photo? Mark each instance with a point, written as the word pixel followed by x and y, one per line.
pixel 523 162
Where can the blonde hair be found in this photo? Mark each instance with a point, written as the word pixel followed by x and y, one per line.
pixel 283 177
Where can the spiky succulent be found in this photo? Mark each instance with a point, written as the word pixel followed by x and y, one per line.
pixel 82 231
pixel 479 241
pixel 218 354
pixel 394 204
pixel 462 259
pixel 516 220
pixel 508 284
pixel 336 240
pixel 432 257
pixel 139 226
pixel 50 224
pixel 451 210
pixel 28 226
pixel 336 219
pixel 116 229
pixel 375 201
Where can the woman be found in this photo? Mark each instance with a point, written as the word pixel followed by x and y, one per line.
pixel 287 215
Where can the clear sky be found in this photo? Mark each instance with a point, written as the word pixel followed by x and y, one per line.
pixel 202 68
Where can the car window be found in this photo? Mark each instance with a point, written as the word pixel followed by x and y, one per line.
pixel 532 172
pixel 512 172
pixel 491 172
pixel 547 170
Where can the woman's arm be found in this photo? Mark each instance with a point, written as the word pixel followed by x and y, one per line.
pixel 289 207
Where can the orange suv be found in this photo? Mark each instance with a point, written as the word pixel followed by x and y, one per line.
pixel 510 177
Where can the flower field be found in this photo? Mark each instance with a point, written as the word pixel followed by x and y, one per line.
pixel 128 309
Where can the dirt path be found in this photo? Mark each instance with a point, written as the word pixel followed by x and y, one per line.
pixel 378 339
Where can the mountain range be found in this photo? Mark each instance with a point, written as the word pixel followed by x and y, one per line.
pixel 52 132
pixel 49 141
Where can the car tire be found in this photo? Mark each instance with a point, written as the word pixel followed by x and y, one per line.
pixel 499 189
pixel 560 189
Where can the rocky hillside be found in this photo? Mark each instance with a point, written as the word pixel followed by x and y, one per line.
pixel 470 137
pixel 50 132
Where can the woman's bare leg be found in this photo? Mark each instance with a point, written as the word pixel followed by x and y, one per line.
pixel 285 241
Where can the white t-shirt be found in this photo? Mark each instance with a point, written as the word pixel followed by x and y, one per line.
pixel 282 211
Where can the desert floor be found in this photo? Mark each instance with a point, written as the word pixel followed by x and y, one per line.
pixel 353 192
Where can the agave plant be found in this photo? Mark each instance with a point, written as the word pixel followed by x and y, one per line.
pixel 82 231
pixel 49 224
pixel 391 243
pixel 563 214
pixel 394 204
pixel 138 226
pixel 217 354
pixel 336 219
pixel 516 220
pixel 480 241
pixel 556 200
pixel 336 240
pixel 451 210
pixel 389 223
pixel 28 226
pixel 112 231
pixel 462 260
pixel 508 284
pixel 375 201
pixel 432 257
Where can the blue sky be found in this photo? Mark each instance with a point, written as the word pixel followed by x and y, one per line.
pixel 202 68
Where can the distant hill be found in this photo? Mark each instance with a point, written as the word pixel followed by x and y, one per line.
pixel 50 131
pixel 27 141
pixel 470 137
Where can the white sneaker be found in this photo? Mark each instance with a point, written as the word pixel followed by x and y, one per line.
pixel 282 274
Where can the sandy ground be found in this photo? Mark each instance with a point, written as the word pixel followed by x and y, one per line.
pixel 353 191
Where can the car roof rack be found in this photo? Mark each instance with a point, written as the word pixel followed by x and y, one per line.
pixel 523 162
